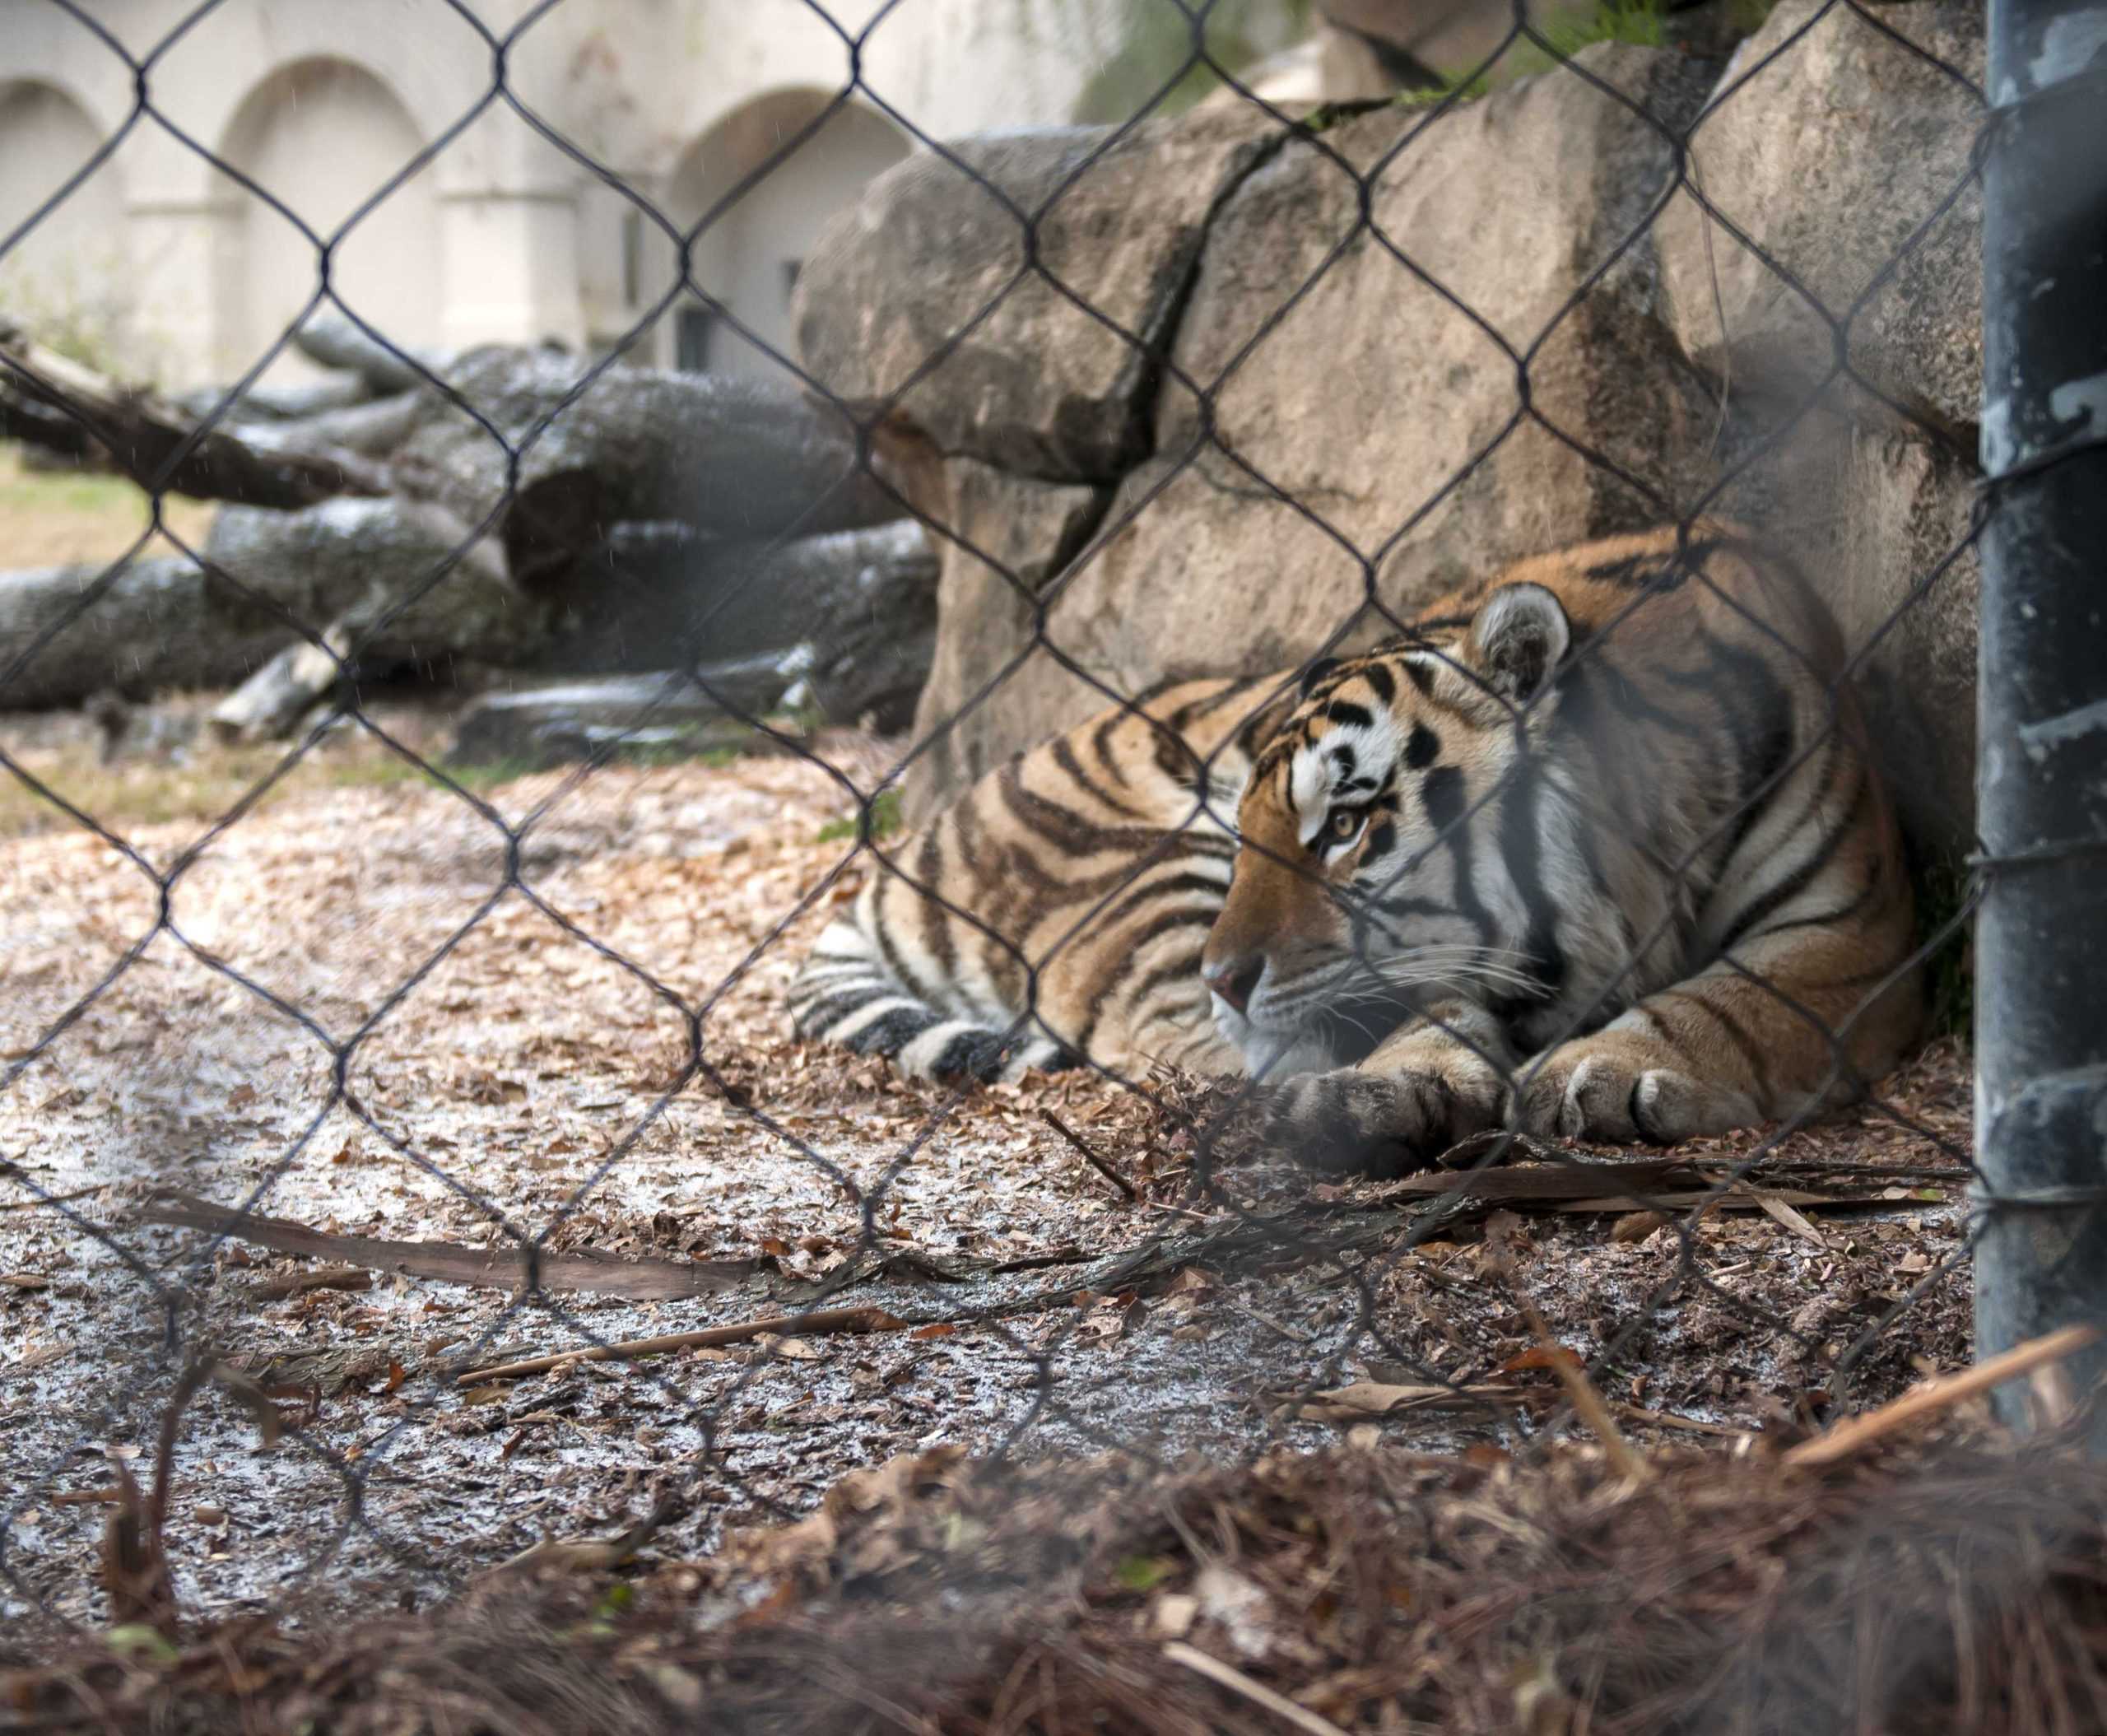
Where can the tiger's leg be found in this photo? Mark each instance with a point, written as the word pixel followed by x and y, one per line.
pixel 1722 1050
pixel 1439 1079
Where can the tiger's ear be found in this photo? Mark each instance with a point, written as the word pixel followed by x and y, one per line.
pixel 1519 636
pixel 1315 673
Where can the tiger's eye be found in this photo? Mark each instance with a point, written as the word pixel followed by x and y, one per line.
pixel 1345 823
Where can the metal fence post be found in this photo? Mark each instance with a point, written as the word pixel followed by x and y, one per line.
pixel 2041 935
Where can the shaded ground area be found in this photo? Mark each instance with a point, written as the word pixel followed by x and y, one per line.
pixel 355 1023
pixel 1907 1590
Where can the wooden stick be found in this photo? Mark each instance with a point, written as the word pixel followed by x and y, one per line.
pixel 501 1268
pixel 54 401
pixel 1929 1398
pixel 827 1320
pixel 1223 1675
pixel 326 1277
pixel 1587 1402
pixel 1089 1157
pixel 1669 1420
pixel 1780 1211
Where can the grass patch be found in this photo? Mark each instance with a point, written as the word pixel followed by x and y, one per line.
pixel 51 518
pixel 1642 23
pixel 885 820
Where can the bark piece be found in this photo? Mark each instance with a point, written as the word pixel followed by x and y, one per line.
pixel 45 396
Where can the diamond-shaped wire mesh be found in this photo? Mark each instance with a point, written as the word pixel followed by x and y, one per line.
pixel 538 1023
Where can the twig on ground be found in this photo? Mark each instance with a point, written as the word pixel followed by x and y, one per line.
pixel 1293 1334
pixel 326 1277
pixel 1669 1420
pixel 799 1325
pixel 590 1555
pixel 501 1268
pixel 15 1172
pixel 1572 1376
pixel 1504 1142
pixel 1941 1393
pixel 1088 1155
pixel 1775 1208
pixel 1224 1675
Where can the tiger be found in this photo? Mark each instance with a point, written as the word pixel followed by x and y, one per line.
pixel 1594 849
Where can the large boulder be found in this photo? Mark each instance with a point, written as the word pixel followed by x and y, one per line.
pixel 1339 429
pixel 1330 426
pixel 956 301
pixel 1845 160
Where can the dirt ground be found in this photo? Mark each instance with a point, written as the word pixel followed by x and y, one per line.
pixel 352 1020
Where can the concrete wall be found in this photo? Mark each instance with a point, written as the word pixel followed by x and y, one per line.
pixel 501 233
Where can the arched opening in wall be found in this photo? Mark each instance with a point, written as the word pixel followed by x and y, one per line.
pixel 66 279
pixel 749 257
pixel 323 136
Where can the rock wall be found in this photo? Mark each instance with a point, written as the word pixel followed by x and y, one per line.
pixel 1197 405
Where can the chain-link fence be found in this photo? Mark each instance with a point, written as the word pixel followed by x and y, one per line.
pixel 439 1124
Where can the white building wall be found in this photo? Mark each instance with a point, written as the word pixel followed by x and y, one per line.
pixel 503 235
pixel 67 273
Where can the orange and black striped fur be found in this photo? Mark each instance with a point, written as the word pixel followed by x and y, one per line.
pixel 1595 850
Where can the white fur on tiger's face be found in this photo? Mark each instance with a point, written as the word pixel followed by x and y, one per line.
pixel 1594 850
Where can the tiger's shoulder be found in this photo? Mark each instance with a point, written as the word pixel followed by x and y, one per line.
pixel 1638 590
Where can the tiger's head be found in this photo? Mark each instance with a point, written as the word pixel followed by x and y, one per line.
pixel 1376 872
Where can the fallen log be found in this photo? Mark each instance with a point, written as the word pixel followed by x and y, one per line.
pixel 335 342
pixel 323 563
pixel 265 404
pixel 739 458
pixel 864 601
pixel 503 1267
pixel 372 429
pixel 370 571
pixel 139 435
pixel 657 715
pixel 150 628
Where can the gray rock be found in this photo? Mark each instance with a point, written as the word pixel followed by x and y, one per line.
pixel 1009 536
pixel 149 631
pixel 1830 159
pixel 892 300
pixel 651 715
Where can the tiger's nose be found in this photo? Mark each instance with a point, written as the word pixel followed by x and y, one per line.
pixel 1236 979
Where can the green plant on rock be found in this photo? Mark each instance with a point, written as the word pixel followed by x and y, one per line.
pixel 1141 45
pixel 885 820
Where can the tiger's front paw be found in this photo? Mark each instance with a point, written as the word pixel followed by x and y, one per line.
pixel 1615 1094
pixel 1349 1122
